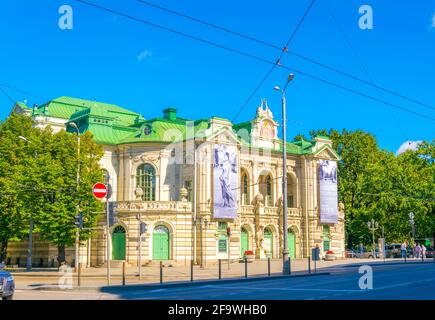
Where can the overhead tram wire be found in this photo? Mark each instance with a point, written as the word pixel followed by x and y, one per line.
pixel 355 53
pixel 247 37
pixel 248 55
pixel 278 62
pixel 7 95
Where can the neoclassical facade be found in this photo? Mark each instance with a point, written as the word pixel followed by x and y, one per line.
pixel 161 174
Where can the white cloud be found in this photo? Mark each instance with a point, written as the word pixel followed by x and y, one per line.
pixel 433 20
pixel 144 54
pixel 408 145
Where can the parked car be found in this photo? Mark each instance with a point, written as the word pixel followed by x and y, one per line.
pixel 429 252
pixel 350 253
pixel 369 254
pixel 7 285
pixel 393 250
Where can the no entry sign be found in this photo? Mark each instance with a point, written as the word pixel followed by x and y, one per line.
pixel 99 190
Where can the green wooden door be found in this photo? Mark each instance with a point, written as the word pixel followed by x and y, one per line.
pixel 291 244
pixel 161 243
pixel 268 242
pixel 118 243
pixel 244 242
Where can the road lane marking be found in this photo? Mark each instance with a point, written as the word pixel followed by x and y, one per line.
pixel 288 289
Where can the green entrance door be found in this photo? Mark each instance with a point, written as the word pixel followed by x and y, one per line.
pixel 244 242
pixel 268 242
pixel 161 243
pixel 291 244
pixel 118 243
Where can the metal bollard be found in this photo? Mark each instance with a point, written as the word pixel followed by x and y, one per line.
pixel 123 273
pixel 79 274
pixel 246 267
pixel 220 269
pixel 289 265
pixel 161 272
pixel 309 264
pixel 315 266
pixel 191 270
pixel 268 267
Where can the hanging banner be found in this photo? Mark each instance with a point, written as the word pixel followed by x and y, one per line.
pixel 328 192
pixel 225 182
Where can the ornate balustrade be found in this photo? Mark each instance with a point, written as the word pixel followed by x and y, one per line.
pixel 153 206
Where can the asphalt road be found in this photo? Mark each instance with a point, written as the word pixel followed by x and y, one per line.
pixel 411 281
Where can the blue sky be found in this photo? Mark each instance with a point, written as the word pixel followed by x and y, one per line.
pixel 112 59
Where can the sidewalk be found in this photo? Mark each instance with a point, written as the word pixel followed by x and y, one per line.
pixel 96 277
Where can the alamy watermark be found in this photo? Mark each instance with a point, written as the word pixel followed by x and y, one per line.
pixel 365 22
pixel 66 21
pixel 366 280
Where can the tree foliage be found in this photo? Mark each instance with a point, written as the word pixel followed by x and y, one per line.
pixel 39 178
pixel 377 184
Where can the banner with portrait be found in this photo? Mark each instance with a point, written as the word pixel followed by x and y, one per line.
pixel 328 191
pixel 225 182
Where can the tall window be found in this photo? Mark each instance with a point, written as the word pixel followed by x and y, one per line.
pixel 269 200
pixel 244 189
pixel 290 192
pixel 146 179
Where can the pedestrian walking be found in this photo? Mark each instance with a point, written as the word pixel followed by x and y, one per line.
pixel 361 249
pixel 417 251
pixel 403 249
pixel 423 251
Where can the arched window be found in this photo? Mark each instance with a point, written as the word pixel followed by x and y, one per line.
pixel 244 196
pixel 266 189
pixel 269 199
pixel 291 192
pixel 146 179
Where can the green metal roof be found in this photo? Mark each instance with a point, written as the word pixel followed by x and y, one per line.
pixel 113 125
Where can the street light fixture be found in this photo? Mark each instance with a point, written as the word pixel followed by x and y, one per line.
pixel 285 265
pixel 373 225
pixel 30 244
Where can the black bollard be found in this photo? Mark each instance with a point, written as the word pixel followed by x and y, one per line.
pixel 161 272
pixel 78 274
pixel 268 267
pixel 246 267
pixel 220 269
pixel 309 264
pixel 289 265
pixel 191 270
pixel 123 273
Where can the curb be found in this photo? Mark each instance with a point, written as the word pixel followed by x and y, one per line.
pixel 392 263
pixel 176 284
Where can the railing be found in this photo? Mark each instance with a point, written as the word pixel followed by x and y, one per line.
pixel 144 206
pixel 249 209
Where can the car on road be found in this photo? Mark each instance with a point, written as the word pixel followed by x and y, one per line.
pixel 369 254
pixel 7 285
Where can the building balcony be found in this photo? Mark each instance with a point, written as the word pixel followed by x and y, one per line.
pixel 154 206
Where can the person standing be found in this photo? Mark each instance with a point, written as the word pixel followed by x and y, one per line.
pixel 418 251
pixel 423 251
pixel 361 249
pixel 403 249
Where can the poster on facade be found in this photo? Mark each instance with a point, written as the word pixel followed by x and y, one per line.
pixel 328 191
pixel 225 182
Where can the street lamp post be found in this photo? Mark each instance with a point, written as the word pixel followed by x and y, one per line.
pixel 30 244
pixel 285 265
pixel 412 223
pixel 373 225
pixel 77 254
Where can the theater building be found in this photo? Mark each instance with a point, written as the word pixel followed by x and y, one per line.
pixel 206 189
